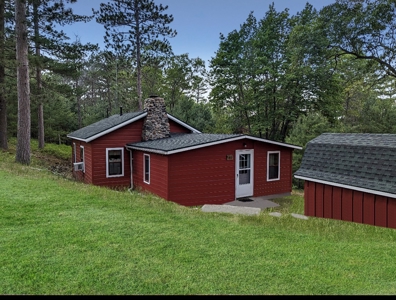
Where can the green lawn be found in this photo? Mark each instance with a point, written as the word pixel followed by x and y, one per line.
pixel 58 236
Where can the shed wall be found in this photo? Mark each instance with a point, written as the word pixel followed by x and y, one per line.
pixel 348 205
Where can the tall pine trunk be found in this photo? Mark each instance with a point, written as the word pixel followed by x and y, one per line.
pixel 40 114
pixel 23 88
pixel 3 104
pixel 138 57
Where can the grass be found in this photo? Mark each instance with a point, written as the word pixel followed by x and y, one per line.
pixel 58 236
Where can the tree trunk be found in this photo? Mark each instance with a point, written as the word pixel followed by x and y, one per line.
pixel 23 88
pixel 40 114
pixel 3 104
pixel 78 106
pixel 139 71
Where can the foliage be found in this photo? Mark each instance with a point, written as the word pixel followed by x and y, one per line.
pixel 306 128
pixel 364 29
pixel 198 115
pixel 271 71
pixel 134 26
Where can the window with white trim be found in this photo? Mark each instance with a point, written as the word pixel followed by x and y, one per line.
pixel 82 157
pixel 273 165
pixel 146 168
pixel 114 162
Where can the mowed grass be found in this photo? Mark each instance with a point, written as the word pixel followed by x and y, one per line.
pixel 58 236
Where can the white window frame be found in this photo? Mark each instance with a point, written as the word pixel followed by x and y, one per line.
pixel 74 153
pixel 144 168
pixel 82 159
pixel 268 165
pixel 107 162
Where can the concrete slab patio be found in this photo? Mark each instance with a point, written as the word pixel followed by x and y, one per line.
pixel 245 206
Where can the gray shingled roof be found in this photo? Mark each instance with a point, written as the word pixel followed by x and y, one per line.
pixel 181 140
pixel 103 125
pixel 362 160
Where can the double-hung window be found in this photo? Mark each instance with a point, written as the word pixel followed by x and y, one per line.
pixel 146 168
pixel 114 162
pixel 273 165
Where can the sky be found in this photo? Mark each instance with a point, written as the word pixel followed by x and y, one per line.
pixel 198 22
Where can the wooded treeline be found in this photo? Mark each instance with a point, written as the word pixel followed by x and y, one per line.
pixel 283 77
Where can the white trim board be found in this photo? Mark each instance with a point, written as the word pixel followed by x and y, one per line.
pixel 379 193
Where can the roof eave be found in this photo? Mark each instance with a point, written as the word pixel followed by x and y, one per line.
pixel 375 192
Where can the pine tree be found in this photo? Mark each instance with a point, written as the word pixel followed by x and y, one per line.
pixel 3 105
pixel 23 135
pixel 45 15
pixel 135 26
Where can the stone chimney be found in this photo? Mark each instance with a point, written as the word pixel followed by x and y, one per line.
pixel 156 124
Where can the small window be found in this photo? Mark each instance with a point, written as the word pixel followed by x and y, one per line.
pixel 114 162
pixel 146 162
pixel 273 161
pixel 82 156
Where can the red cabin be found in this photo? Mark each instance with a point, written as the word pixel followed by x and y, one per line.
pixel 158 153
pixel 351 177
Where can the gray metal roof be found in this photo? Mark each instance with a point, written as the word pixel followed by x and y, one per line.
pixel 181 141
pixel 104 125
pixel 362 160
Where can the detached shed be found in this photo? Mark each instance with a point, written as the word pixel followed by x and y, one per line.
pixel 351 177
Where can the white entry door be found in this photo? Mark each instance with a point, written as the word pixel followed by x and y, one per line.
pixel 244 173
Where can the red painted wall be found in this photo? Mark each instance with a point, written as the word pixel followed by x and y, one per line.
pixel 177 128
pixel 348 205
pixel 262 187
pixel 158 173
pixel 95 154
pixel 205 176
pixel 85 176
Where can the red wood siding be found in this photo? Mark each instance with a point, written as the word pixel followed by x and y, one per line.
pixel 177 128
pixel 262 187
pixel 348 205
pixel 158 173
pixel 391 213
pixel 204 176
pixel 319 200
pixel 368 208
pixel 309 199
pixel 327 203
pixel 95 154
pixel 336 203
pixel 116 139
pixel 357 206
pixel 380 215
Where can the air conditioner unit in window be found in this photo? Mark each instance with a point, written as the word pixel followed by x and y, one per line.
pixel 79 166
